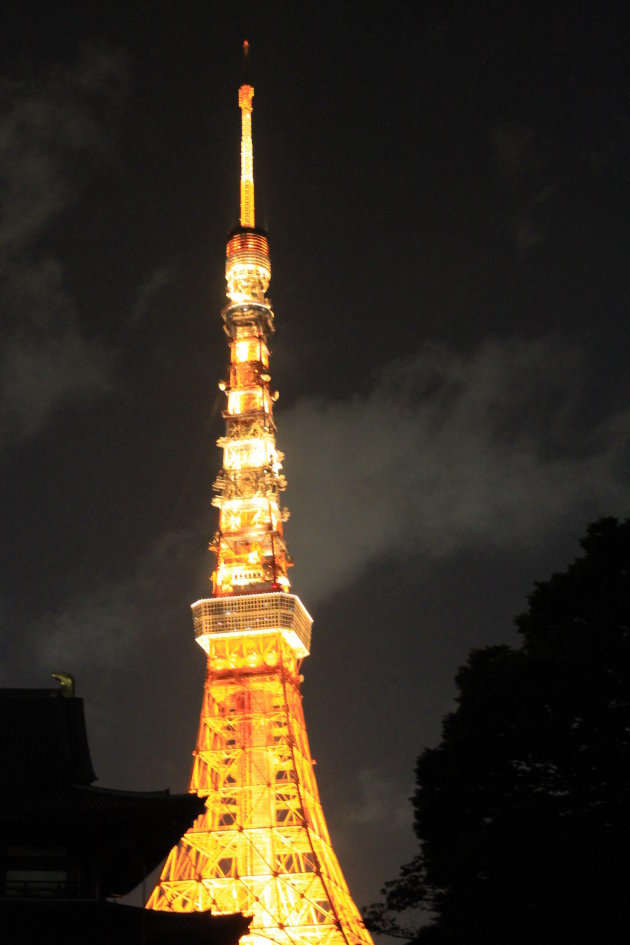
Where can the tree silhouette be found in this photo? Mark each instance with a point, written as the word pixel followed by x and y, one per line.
pixel 523 811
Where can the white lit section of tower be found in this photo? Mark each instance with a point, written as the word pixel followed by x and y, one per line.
pixel 262 845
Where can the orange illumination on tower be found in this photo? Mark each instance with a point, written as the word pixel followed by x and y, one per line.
pixel 262 846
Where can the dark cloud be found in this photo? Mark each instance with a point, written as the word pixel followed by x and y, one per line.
pixel 518 150
pixel 150 292
pixel 449 452
pixel 52 130
pixel 46 360
pixel 100 630
pixel 379 801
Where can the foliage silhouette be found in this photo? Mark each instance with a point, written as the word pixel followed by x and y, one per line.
pixel 522 812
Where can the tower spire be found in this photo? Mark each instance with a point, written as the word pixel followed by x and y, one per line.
pixel 245 97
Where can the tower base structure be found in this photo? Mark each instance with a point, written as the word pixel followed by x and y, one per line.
pixel 261 847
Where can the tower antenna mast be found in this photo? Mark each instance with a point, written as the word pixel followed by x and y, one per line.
pixel 245 98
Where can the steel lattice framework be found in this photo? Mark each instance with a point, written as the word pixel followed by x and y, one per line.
pixel 262 846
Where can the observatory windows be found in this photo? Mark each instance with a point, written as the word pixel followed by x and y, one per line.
pixel 250 349
pixel 247 401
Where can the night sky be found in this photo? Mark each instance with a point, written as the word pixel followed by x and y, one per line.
pixel 446 189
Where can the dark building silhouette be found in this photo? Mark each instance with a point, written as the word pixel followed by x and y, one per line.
pixel 67 848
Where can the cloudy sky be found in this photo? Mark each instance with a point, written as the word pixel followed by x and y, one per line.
pixel 446 189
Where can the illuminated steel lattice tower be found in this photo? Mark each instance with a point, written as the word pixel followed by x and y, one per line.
pixel 262 846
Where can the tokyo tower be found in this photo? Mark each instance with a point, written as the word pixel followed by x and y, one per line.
pixel 262 846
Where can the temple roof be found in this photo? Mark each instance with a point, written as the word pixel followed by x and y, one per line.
pixel 46 795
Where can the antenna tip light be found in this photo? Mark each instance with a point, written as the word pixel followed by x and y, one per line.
pixel 245 60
